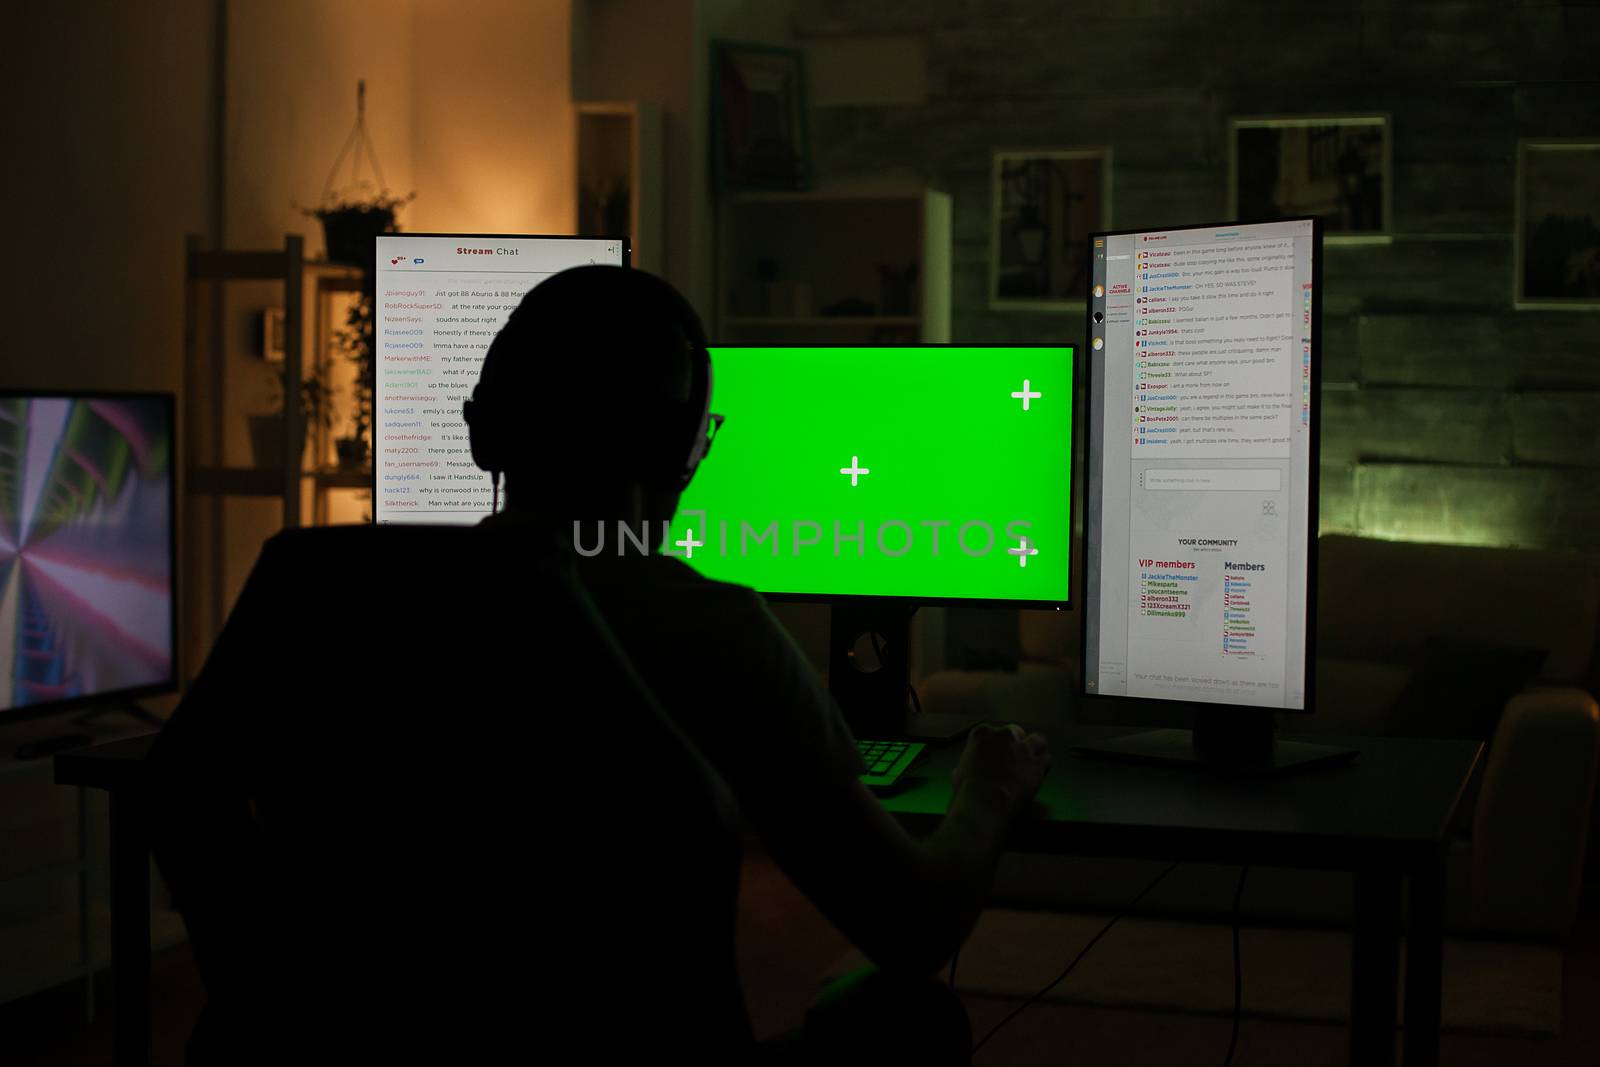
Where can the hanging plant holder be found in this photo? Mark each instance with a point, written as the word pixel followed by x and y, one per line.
pixel 354 217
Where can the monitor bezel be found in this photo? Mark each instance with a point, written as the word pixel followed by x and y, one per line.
pixel 627 249
pixel 931 601
pixel 25 712
pixel 1313 482
pixel 627 262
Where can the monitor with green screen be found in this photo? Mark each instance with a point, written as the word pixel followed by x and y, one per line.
pixel 933 473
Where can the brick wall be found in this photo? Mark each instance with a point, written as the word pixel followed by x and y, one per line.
pixel 1448 416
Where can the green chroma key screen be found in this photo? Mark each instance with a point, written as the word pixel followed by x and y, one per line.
pixel 935 472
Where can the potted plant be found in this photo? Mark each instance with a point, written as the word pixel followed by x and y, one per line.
pixel 352 218
pixel 356 345
pixel 353 215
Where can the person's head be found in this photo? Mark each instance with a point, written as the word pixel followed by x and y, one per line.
pixel 594 399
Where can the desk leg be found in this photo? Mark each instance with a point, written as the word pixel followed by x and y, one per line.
pixel 1424 966
pixel 1374 969
pixel 130 930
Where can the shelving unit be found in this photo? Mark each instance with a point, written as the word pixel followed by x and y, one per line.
pixel 208 477
pixel 785 259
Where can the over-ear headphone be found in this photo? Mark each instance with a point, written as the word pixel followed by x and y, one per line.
pixel 489 427
pixel 488 450
pixel 699 401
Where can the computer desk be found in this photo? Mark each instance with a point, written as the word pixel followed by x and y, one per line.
pixel 118 767
pixel 1387 818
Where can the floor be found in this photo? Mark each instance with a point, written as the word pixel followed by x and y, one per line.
pixel 786 945
pixel 785 948
pixel 49 1030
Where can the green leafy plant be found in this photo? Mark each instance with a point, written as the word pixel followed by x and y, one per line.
pixel 267 431
pixel 355 343
pixel 351 226
pixel 317 406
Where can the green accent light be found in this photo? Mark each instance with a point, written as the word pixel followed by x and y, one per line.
pixel 936 437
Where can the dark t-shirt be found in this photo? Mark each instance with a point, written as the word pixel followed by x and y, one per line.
pixel 729 675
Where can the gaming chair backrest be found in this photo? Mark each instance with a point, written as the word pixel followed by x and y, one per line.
pixel 419 797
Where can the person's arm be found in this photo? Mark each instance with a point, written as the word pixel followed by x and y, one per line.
pixel 765 721
pixel 908 904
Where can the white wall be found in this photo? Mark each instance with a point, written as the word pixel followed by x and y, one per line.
pixel 292 72
pixel 106 134
pixel 292 69
pixel 491 117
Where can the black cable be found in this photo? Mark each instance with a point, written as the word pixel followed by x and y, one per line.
pixel 1238 969
pixel 878 647
pixel 1076 959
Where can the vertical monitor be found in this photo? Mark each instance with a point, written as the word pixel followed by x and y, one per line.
pixel 934 473
pixel 440 300
pixel 1200 479
pixel 86 548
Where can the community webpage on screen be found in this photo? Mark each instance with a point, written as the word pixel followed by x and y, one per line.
pixel 1197 527
pixel 440 301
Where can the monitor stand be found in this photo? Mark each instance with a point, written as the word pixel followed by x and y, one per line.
pixel 122 707
pixel 1232 740
pixel 869 667
pixel 80 738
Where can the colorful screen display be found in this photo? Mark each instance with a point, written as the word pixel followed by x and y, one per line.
pixel 86 549
pixel 934 472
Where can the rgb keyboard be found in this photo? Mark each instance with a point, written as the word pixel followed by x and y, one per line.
pixel 887 761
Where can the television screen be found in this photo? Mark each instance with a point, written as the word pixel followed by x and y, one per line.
pixel 86 547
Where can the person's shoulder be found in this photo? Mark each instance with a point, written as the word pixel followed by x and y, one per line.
pixel 360 546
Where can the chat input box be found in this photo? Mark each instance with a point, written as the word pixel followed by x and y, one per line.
pixel 1220 479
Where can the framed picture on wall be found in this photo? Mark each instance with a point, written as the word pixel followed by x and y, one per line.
pixel 1335 167
pixel 758 116
pixel 270 343
pixel 1043 204
pixel 1558 225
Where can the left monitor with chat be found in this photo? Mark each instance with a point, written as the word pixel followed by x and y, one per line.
pixel 439 301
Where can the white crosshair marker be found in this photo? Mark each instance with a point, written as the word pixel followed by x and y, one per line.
pixel 855 470
pixel 1026 395
pixel 1023 551
pixel 689 544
